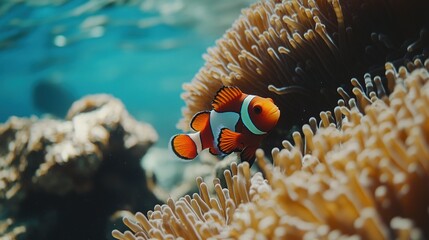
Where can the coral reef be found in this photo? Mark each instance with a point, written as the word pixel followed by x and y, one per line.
pixel 299 52
pixel 361 173
pixel 53 173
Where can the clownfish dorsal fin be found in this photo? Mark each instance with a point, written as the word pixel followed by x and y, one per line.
pixel 225 96
pixel 200 120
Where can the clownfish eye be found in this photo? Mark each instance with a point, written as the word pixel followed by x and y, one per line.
pixel 257 109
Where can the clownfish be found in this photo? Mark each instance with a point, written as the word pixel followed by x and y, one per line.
pixel 237 123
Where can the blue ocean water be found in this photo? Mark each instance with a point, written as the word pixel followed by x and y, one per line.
pixel 53 52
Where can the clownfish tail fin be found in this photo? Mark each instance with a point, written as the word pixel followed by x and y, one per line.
pixel 184 146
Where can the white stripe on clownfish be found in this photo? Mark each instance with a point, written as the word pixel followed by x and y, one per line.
pixel 245 117
pixel 197 141
pixel 222 120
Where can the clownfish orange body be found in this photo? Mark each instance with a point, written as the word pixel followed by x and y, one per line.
pixel 237 123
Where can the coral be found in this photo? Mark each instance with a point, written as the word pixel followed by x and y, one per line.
pixel 298 52
pixel 361 173
pixel 53 168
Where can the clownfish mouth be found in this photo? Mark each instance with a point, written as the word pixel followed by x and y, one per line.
pixel 274 113
pixel 273 116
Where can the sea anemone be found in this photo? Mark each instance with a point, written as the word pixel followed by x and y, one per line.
pixel 299 52
pixel 361 172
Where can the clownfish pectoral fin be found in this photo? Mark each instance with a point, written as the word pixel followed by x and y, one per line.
pixel 200 120
pixel 225 96
pixel 184 147
pixel 248 155
pixel 228 141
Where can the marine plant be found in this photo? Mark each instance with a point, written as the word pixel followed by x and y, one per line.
pixel 358 168
pixel 298 52
pixel 361 172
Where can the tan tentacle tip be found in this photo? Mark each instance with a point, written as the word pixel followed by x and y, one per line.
pixel 275 151
pixel 343 94
pixel 259 153
pixel 288 90
pixel 118 235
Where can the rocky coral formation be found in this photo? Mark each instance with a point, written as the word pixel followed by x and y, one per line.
pixel 299 52
pixel 361 173
pixel 53 171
